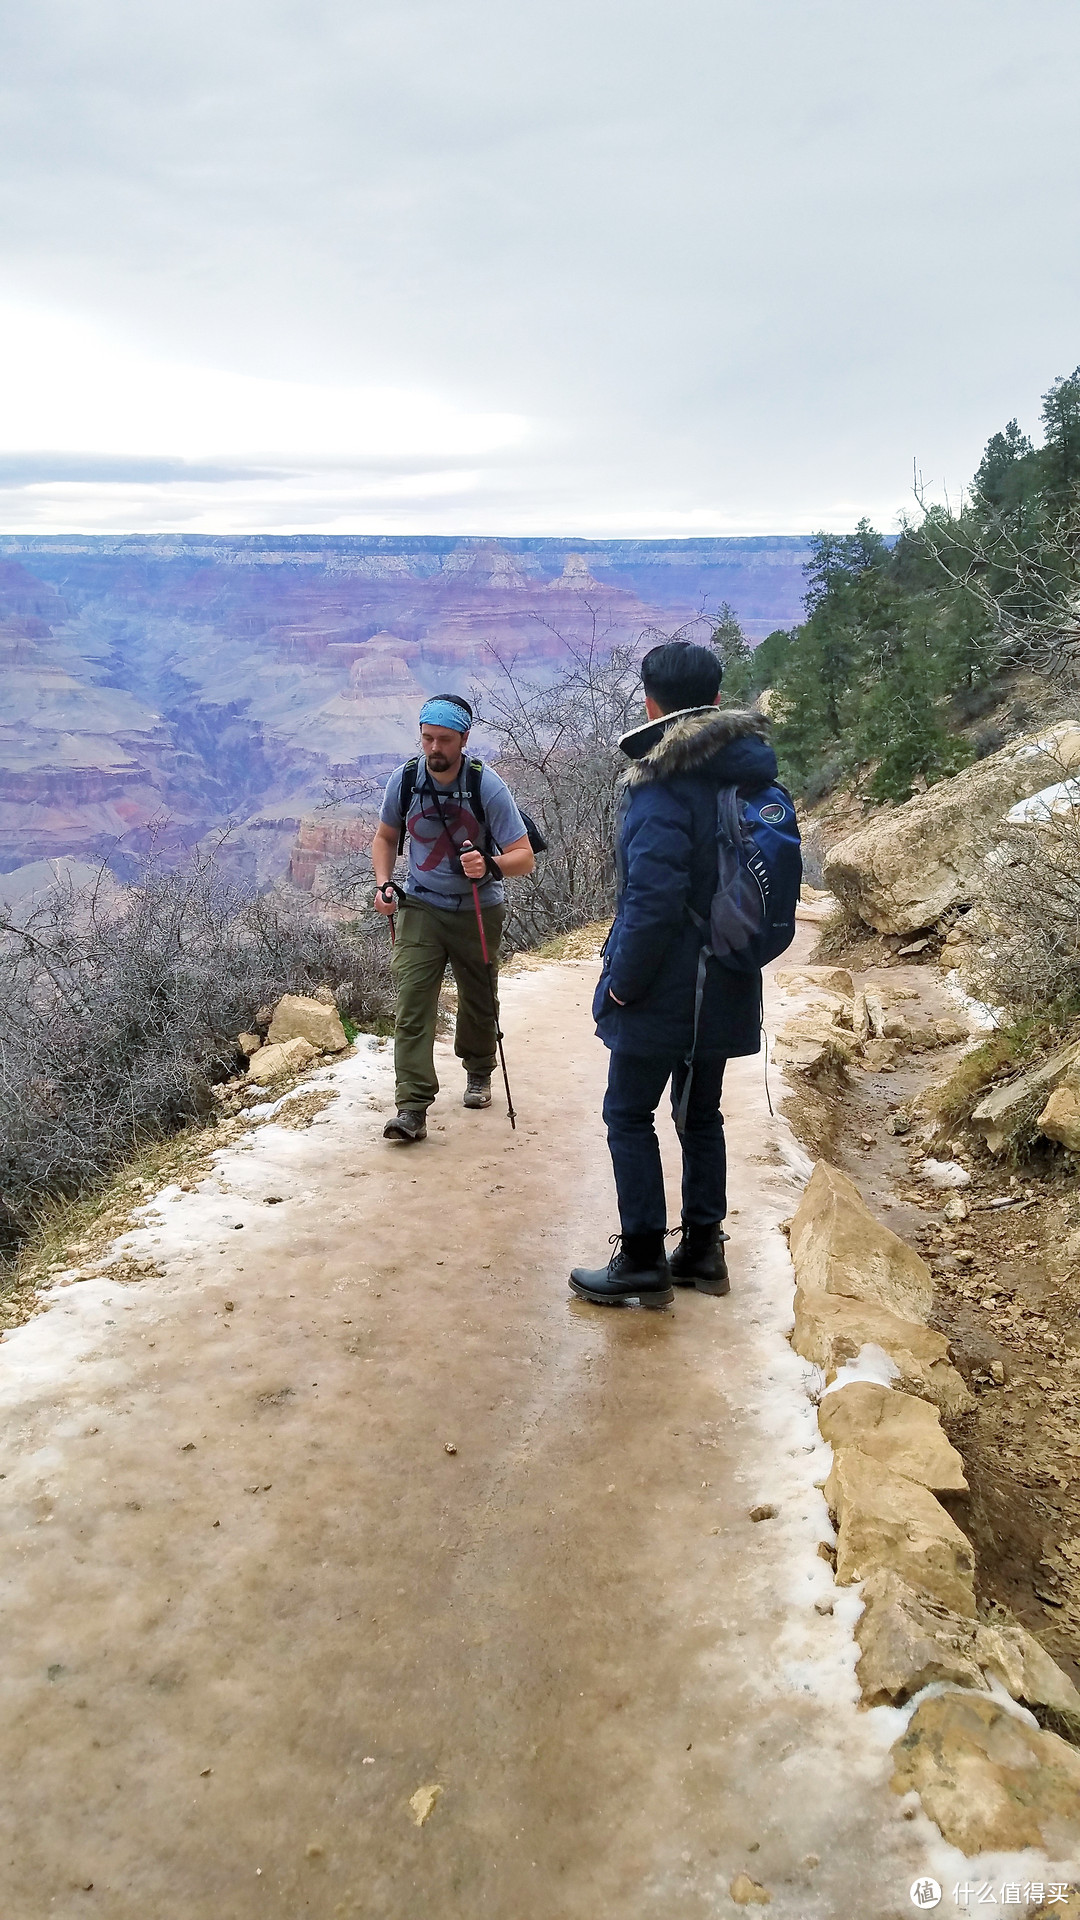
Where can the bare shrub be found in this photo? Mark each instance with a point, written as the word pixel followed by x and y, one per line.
pixel 117 1015
pixel 1032 907
pixel 557 751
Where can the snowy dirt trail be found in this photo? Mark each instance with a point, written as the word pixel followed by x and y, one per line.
pixel 252 1604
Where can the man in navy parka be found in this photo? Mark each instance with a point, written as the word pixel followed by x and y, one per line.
pixel 644 1002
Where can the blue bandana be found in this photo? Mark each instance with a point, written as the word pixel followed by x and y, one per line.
pixel 445 713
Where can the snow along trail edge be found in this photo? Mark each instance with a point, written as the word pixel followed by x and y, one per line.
pixel 254 1606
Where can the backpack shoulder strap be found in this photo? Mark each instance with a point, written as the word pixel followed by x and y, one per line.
pixel 474 777
pixel 408 788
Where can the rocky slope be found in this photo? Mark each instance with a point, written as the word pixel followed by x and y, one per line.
pixel 911 865
pixel 163 686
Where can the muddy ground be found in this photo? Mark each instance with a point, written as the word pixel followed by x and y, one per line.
pixel 351 1568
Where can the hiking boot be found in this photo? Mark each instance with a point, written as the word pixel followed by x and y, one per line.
pixel 408 1123
pixel 698 1260
pixel 477 1090
pixel 637 1270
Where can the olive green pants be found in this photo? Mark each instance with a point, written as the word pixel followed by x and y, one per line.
pixel 428 937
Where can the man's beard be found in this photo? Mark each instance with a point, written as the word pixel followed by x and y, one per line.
pixel 439 762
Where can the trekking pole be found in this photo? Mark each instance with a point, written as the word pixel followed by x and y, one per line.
pixel 467 847
pixel 388 892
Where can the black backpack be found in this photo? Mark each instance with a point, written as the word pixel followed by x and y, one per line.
pixel 474 773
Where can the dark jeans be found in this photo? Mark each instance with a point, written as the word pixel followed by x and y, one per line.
pixel 636 1083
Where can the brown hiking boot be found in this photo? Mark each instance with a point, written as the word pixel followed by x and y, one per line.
pixel 477 1090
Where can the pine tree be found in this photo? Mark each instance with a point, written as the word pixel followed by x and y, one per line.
pixel 730 642
pixel 769 658
pixel 1008 475
pixel 1061 453
pixel 900 724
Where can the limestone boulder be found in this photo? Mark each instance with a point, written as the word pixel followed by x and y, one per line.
pixel 813 1035
pixel 908 1640
pixel 281 1061
pixel 835 980
pixel 1007 1110
pixel 838 1246
pixel 988 1779
pixel 903 1432
pixel 298 1018
pixel 831 1329
pixel 881 1056
pixel 869 1015
pixel 910 864
pixel 1060 1118
pixel 249 1043
pixel 886 1521
pixel 1016 1658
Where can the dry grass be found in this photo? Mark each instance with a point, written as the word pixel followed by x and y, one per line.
pixel 578 943
pixel 300 1111
pixel 1002 1057
pixel 951 1104
pixel 77 1233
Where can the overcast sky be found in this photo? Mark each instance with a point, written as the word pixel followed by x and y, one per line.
pixel 592 267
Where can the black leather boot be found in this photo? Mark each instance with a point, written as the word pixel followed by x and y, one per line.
pixel 637 1270
pixel 698 1260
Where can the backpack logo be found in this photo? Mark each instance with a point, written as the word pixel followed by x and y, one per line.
pixel 772 814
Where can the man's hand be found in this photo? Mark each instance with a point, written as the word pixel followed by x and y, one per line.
pixel 473 863
pixel 385 899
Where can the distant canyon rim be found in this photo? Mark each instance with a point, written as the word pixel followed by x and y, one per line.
pixel 156 688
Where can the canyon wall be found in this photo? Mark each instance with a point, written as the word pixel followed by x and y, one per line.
pixel 157 689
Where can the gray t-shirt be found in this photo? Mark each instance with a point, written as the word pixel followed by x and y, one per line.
pixel 432 847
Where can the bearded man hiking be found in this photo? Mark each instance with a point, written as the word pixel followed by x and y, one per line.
pixel 709 868
pixel 441 804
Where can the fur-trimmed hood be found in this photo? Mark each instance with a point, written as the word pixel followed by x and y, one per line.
pixel 727 744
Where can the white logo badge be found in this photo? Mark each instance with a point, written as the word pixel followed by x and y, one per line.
pixel 925 1894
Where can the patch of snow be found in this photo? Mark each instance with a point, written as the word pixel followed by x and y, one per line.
pixel 871 1363
pixel 1048 744
pixel 945 1173
pixel 980 1017
pixel 1050 802
pixel 794 1155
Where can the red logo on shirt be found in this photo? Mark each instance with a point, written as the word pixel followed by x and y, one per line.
pixel 442 843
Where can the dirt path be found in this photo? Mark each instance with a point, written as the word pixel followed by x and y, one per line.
pixel 253 1604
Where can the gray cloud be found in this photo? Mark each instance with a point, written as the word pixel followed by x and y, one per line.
pixel 738 261
pixel 37 469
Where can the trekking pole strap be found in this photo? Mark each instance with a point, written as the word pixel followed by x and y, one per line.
pixel 704 956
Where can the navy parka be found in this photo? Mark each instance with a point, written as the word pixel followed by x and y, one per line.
pixel 667 861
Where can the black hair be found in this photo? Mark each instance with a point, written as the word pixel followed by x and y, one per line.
pixel 458 700
pixel 679 675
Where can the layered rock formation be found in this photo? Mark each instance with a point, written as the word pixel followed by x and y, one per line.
pixel 159 687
